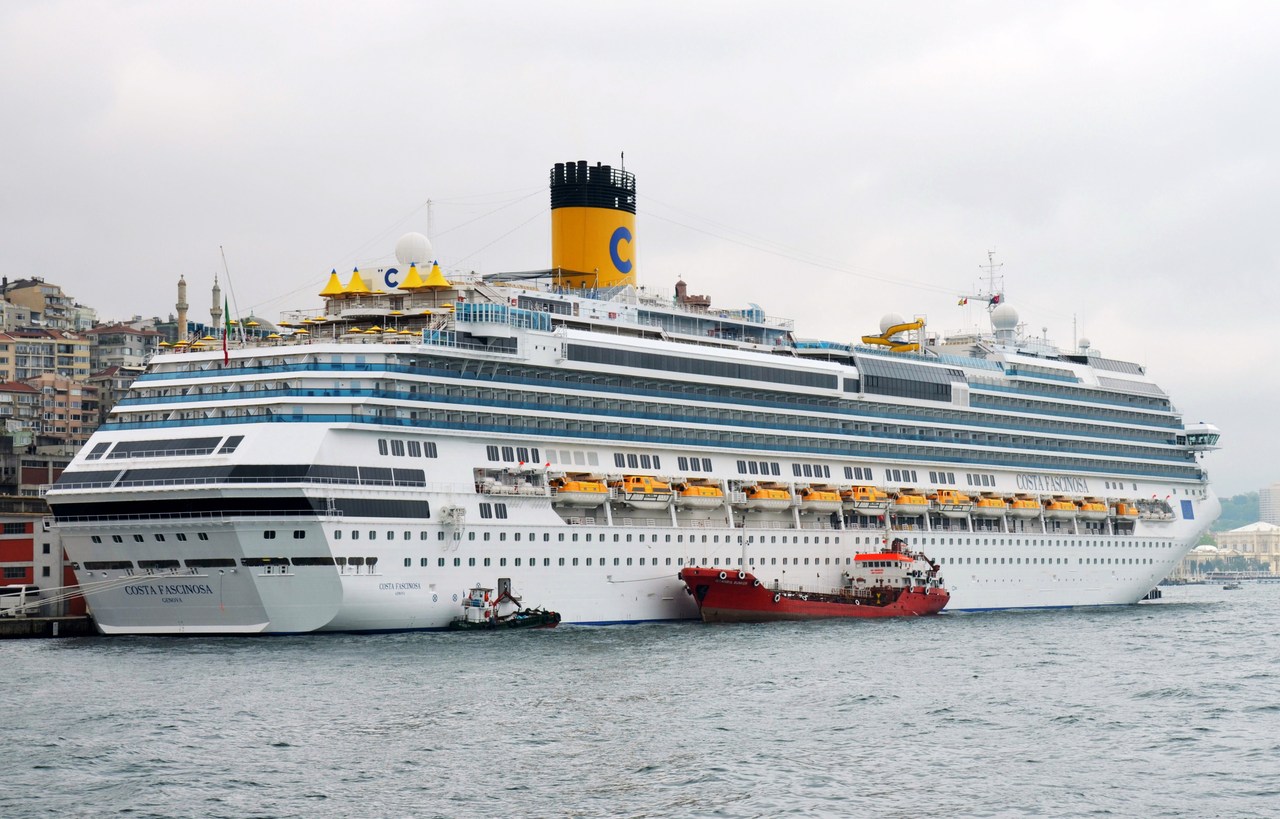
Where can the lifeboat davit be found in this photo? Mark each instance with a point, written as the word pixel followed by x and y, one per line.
pixel 952 504
pixel 820 500
pixel 867 499
pixel 699 496
pixel 584 494
pixel 644 492
pixel 909 504
pixel 990 508
pixel 767 499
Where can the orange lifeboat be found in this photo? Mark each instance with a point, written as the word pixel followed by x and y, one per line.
pixel 644 492
pixel 907 503
pixel 1025 508
pixel 1093 509
pixel 952 504
pixel 819 499
pixel 1125 510
pixel 1060 509
pixel 865 498
pixel 582 493
pixel 990 507
pixel 699 496
pixel 767 498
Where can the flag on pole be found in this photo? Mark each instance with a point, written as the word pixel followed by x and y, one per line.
pixel 226 331
pixel 962 301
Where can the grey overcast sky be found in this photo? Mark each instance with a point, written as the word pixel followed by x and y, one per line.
pixel 831 162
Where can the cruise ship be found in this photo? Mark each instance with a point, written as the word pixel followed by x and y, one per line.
pixel 575 439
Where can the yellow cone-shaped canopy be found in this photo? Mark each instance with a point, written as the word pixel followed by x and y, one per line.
pixel 357 286
pixel 334 287
pixel 413 280
pixel 436 279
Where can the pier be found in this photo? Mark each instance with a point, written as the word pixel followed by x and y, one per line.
pixel 16 628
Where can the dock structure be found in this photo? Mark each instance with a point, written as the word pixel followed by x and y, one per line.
pixel 15 628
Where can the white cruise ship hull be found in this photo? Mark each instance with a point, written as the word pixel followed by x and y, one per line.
pixel 224 571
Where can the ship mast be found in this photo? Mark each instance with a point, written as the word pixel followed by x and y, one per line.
pixel 994 293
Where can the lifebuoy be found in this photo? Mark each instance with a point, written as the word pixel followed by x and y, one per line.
pixel 723 575
pixel 777 597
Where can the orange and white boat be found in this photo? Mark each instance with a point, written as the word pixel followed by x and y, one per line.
pixel 767 498
pixel 909 503
pixel 951 503
pixel 1024 507
pixel 644 492
pixel 1125 510
pixel 990 507
pixel 1093 509
pixel 581 492
pixel 1061 509
pixel 866 499
pixel 699 495
pixel 819 499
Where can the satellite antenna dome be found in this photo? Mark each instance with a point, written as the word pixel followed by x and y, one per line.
pixel 890 320
pixel 1085 344
pixel 1004 317
pixel 413 248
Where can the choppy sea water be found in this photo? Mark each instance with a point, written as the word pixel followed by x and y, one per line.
pixel 1170 708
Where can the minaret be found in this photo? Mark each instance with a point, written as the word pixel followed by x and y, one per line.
pixel 216 310
pixel 182 308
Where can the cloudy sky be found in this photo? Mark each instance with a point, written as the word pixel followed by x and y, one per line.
pixel 830 162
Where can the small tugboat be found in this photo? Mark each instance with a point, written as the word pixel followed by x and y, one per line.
pixel 481 609
pixel 895 582
pixel 1232 586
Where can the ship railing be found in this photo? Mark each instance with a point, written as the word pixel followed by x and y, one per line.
pixel 645 522
pixel 172 482
pixel 221 514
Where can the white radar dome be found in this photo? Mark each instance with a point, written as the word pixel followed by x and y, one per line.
pixel 1085 344
pixel 890 320
pixel 413 248
pixel 1004 317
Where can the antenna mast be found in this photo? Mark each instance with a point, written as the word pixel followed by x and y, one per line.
pixel 995 292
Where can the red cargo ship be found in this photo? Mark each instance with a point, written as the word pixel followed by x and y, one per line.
pixel 891 583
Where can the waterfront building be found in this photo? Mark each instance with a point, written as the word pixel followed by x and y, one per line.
pixel 1260 541
pixel 1269 504
pixel 31 554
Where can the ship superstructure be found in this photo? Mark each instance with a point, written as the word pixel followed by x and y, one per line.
pixel 577 438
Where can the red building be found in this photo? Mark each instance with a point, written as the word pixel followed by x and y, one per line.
pixel 31 554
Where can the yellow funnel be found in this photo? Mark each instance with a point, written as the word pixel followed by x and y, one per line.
pixel 593 225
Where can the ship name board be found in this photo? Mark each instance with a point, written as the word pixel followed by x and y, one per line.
pixel 1051 483
pixel 169 589
pixel 399 586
